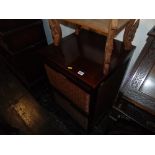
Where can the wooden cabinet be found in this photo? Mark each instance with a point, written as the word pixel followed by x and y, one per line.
pixel 137 95
pixel 75 72
pixel 19 42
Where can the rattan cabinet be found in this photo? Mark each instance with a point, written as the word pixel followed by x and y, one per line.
pixel 74 70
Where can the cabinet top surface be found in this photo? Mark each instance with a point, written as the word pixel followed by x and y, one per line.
pixel 98 25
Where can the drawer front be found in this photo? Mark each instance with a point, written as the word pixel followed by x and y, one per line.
pixel 24 38
pixel 78 96
pixel 77 116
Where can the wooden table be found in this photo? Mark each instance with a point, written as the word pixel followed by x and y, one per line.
pixel 107 27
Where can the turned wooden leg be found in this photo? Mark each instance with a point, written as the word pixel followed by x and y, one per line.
pixel 129 33
pixel 109 46
pixel 107 54
pixel 56 31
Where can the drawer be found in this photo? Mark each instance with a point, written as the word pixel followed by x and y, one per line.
pixel 66 105
pixel 78 96
pixel 24 38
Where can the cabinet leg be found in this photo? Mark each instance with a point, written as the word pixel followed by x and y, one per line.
pixel 129 33
pixel 56 31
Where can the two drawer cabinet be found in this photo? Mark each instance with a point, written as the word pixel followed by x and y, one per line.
pixel 74 70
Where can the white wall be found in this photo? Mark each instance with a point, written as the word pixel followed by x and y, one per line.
pixel 139 40
pixel 65 31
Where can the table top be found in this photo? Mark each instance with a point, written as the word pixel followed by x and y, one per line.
pixel 100 26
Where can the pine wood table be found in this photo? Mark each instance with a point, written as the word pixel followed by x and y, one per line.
pixel 107 27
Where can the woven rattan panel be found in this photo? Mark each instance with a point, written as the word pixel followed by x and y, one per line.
pixel 70 90
pixel 65 104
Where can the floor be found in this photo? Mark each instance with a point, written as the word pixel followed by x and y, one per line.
pixel 46 116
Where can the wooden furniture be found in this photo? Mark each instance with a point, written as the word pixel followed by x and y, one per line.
pixel 19 43
pixel 75 72
pixel 137 95
pixel 107 27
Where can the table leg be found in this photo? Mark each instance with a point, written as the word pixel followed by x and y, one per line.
pixel 129 33
pixel 56 31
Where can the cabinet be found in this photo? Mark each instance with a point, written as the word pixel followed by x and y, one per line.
pixel 19 43
pixel 137 96
pixel 75 72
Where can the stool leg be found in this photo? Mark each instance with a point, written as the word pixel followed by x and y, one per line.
pixel 56 31
pixel 129 33
pixel 108 52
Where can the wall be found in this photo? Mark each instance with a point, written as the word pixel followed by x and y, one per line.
pixel 139 40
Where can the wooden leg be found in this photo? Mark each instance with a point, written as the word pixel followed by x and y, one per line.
pixel 108 53
pixel 129 33
pixel 56 31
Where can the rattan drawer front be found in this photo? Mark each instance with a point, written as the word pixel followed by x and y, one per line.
pixel 70 90
pixel 77 116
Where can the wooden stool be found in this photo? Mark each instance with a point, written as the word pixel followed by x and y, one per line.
pixel 107 27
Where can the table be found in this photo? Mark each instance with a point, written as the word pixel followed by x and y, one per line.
pixel 107 27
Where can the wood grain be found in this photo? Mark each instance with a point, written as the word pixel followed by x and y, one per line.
pixel 100 26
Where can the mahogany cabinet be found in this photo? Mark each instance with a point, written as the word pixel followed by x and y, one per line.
pixel 137 96
pixel 20 40
pixel 75 72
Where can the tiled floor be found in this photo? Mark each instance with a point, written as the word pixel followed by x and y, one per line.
pixel 43 116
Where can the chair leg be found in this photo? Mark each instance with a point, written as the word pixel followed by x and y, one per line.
pixel 56 31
